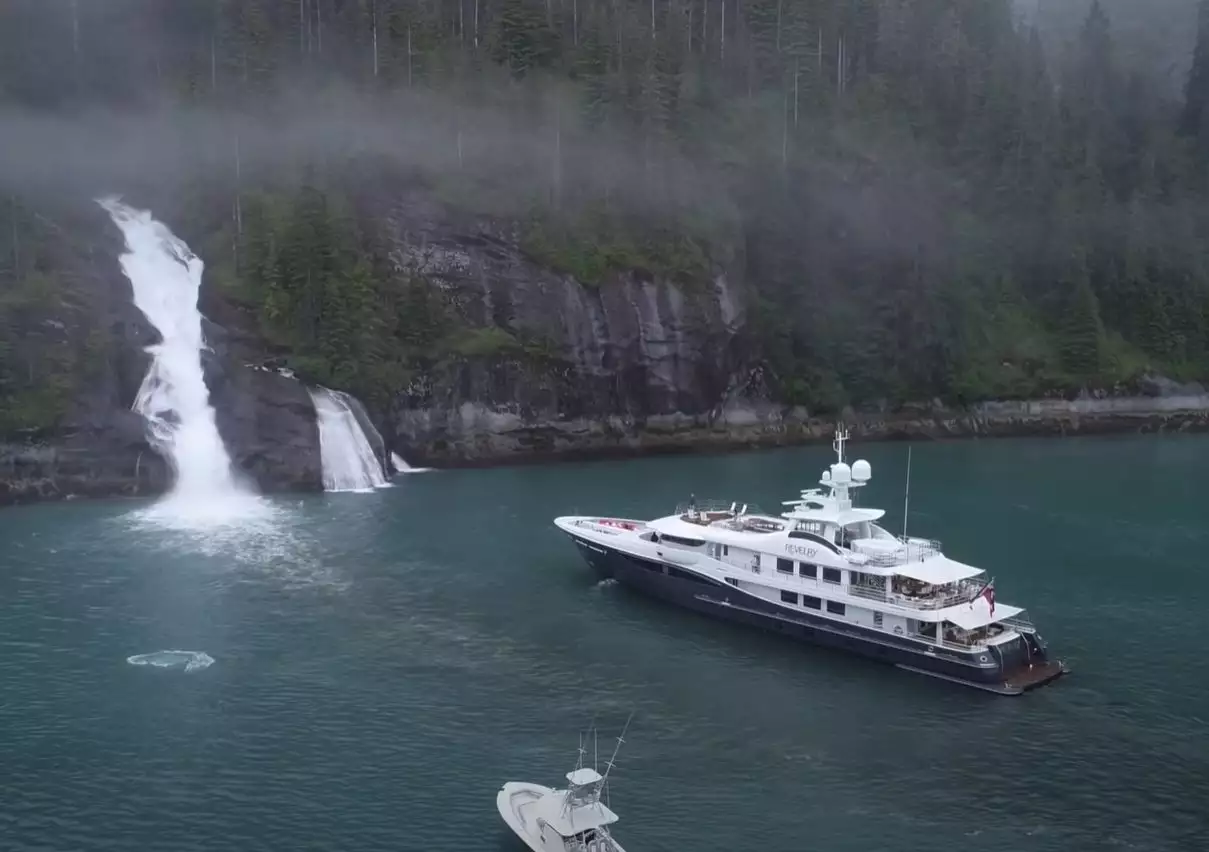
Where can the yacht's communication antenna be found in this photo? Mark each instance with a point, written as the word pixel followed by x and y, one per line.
pixel 841 437
pixel 826 476
pixel 861 470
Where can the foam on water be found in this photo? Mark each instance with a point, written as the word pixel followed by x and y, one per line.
pixel 165 277
pixel 190 661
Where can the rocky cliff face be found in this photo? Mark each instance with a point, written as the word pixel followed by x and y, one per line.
pixel 603 367
pixel 641 364
pixel 551 367
pixel 99 447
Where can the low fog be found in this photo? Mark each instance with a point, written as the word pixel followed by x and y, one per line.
pixel 526 150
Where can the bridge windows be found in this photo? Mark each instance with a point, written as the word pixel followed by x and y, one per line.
pixel 785 566
pixel 806 569
pixel 832 575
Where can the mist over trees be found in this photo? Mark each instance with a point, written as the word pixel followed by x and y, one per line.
pixel 926 198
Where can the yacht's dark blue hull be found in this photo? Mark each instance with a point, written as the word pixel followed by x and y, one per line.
pixel 1010 669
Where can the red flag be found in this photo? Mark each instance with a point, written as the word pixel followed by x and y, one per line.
pixel 989 594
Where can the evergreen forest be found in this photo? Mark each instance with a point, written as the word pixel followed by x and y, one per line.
pixel 922 199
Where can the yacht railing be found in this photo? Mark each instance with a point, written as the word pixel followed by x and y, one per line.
pixel 610 526
pixel 909 550
pixel 1020 623
pixel 718 506
pixel 963 593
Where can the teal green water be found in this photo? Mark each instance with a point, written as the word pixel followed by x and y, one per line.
pixel 384 662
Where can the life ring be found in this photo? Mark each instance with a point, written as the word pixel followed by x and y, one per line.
pixel 898 631
pixel 983 658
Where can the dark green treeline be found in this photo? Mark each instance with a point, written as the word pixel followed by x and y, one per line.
pixel 928 198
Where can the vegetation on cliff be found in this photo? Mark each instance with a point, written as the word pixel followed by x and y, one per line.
pixel 924 199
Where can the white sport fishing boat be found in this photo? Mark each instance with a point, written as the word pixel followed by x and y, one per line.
pixel 825 572
pixel 574 819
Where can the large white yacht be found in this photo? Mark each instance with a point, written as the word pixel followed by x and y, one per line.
pixel 825 572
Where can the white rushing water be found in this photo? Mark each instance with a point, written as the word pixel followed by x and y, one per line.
pixel 350 461
pixel 401 466
pixel 173 399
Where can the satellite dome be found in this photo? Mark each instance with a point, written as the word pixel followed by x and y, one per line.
pixel 861 471
pixel 841 473
pixel 826 476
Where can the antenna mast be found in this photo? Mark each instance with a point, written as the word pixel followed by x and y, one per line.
pixel 604 781
pixel 837 444
pixel 907 492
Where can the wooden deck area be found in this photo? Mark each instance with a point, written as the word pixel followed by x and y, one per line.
pixel 1031 677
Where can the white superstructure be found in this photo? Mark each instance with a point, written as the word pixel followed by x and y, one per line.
pixel 828 566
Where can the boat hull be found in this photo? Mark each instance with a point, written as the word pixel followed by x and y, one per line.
pixel 1006 671
pixel 516 803
pixel 511 801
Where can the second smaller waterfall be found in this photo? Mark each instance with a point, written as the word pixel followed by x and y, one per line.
pixel 401 466
pixel 350 461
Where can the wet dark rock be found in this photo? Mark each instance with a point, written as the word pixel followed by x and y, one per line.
pixel 101 449
pixel 637 364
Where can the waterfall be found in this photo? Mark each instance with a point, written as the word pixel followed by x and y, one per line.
pixel 173 399
pixel 401 466
pixel 350 462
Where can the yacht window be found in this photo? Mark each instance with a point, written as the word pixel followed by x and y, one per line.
pixel 789 597
pixel 813 603
pixel 835 607
pixel 785 566
pixel 726 550
pixel 733 581
pixel 831 575
pixel 877 619
pixel 684 542
pixel 808 570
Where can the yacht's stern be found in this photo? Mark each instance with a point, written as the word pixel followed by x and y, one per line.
pixel 1032 676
